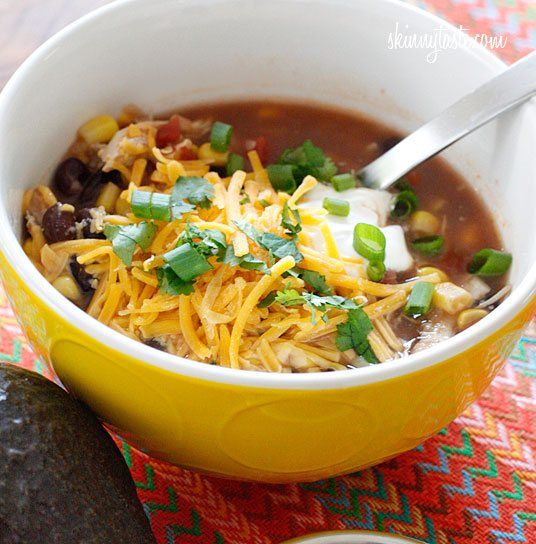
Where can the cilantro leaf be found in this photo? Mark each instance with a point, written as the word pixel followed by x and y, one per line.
pixel 248 229
pixel 268 300
pixel 125 238
pixel 315 280
pixel 291 297
pixel 292 226
pixel 170 284
pixel 207 242
pixel 280 247
pixel 277 246
pixel 308 159
pixel 248 261
pixel 179 208
pixel 197 191
pixel 354 333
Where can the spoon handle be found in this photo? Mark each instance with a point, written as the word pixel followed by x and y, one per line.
pixel 505 91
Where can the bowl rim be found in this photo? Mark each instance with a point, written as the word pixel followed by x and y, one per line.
pixel 519 298
pixel 353 537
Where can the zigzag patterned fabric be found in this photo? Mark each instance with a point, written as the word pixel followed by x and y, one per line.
pixel 475 482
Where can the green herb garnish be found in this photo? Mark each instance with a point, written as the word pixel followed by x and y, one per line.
pixel 276 245
pixel 290 220
pixel 234 163
pixel 291 297
pixel 490 262
pixel 197 191
pixel 220 136
pixel 159 206
pixel 170 284
pixel 315 280
pixel 404 204
pixel 248 261
pixel 430 246
pixel 305 160
pixel 206 241
pixel 268 300
pixel 420 299
pixel 187 262
pixel 353 335
pixel 125 239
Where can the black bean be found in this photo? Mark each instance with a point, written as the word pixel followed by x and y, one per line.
pixel 70 176
pixel 58 225
pixel 389 143
pixel 153 343
pixel 81 276
pixel 88 197
pixel 84 216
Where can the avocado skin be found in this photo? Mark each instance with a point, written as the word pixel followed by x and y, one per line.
pixel 62 478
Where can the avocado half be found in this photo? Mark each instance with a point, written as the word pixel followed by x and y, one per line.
pixel 62 478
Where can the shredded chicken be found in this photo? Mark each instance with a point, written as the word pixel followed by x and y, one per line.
pixel 435 329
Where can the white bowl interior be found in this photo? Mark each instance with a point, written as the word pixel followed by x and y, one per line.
pixel 167 53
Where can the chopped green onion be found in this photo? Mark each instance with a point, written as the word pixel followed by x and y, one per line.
pixel 343 182
pixel 220 136
pixel 263 203
pixel 404 204
pixel 151 205
pixel 490 262
pixel 369 242
pixel 161 207
pixel 186 262
pixel 376 270
pixel 140 202
pixel 235 162
pixel 429 245
pixel 420 299
pixel 337 206
pixel 282 177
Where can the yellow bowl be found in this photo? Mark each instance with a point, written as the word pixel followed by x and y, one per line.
pixel 240 424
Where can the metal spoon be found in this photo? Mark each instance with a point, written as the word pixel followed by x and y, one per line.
pixel 500 94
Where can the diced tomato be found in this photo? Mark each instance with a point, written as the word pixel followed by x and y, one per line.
pixel 169 133
pixel 187 154
pixel 260 145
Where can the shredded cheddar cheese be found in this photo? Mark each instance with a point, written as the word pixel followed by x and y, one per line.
pixel 223 319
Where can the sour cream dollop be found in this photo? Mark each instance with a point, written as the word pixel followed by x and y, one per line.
pixel 366 206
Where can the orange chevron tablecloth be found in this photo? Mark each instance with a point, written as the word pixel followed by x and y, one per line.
pixel 475 482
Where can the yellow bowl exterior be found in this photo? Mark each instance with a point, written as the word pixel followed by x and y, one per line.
pixel 272 435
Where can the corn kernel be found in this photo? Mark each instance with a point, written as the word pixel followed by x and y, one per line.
pixel 99 130
pixel 426 270
pixel 122 207
pixel 451 298
pixel 108 196
pixel 67 287
pixel 470 317
pixel 424 223
pixel 207 153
